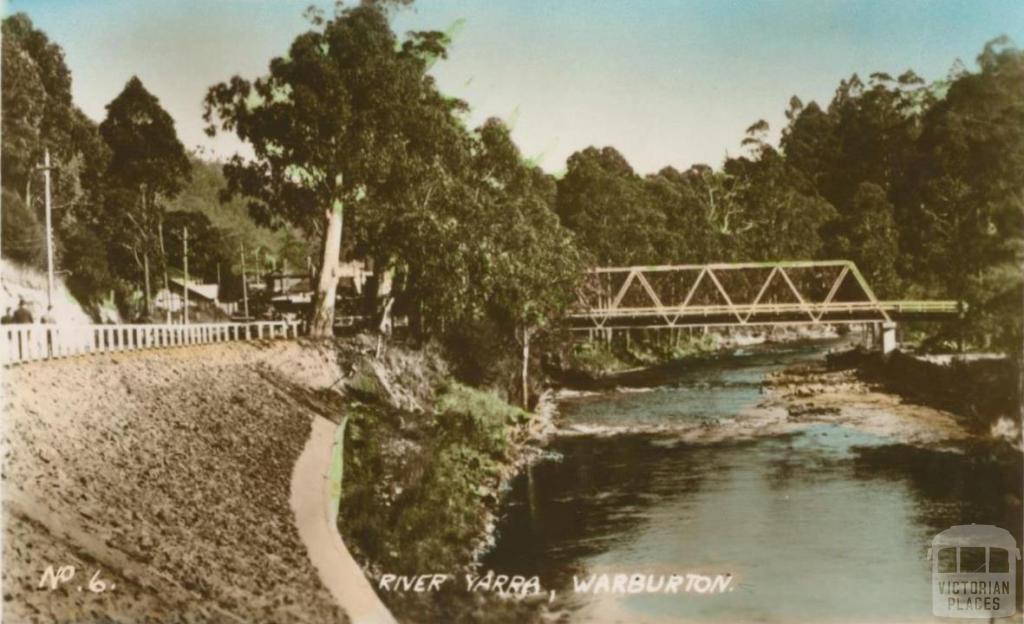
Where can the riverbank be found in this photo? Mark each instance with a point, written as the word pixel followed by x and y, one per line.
pixel 983 393
pixel 423 479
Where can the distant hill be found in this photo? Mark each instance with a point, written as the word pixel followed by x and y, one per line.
pixel 202 195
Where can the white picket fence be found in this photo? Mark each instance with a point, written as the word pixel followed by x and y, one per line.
pixel 27 343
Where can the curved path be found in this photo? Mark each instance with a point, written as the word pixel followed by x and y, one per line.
pixel 310 500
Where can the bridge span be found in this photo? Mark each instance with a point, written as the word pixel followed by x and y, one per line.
pixel 819 292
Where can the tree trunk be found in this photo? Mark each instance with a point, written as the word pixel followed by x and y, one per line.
pixel 526 368
pixel 149 292
pixel 322 323
pixel 163 262
pixel 384 327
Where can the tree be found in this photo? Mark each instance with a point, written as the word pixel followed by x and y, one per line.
pixel 781 215
pixel 38 112
pixel 39 116
pixel 328 125
pixel 602 200
pixel 207 252
pixel 869 238
pixel 531 262
pixel 23 235
pixel 808 142
pixel 148 166
pixel 969 217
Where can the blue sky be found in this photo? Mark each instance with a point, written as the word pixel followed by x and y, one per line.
pixel 667 83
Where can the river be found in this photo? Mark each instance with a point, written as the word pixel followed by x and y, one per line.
pixel 820 524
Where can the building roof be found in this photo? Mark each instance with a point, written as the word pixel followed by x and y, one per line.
pixel 206 291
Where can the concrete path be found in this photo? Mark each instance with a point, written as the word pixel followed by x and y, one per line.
pixel 310 500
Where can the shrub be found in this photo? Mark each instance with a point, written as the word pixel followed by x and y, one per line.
pixel 481 420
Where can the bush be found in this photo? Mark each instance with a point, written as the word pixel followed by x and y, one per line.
pixel 82 255
pixel 596 359
pixel 23 236
pixel 479 419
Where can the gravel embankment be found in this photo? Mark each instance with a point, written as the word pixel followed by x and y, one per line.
pixel 168 472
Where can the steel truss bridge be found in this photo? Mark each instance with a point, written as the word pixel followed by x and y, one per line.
pixel 731 295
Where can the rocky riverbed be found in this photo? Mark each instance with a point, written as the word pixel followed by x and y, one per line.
pixel 796 397
pixel 810 393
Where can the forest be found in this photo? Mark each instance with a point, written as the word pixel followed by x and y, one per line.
pixel 356 153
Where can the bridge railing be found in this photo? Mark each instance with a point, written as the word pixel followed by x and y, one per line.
pixel 27 343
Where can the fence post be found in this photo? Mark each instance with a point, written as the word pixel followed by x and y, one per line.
pixel 38 346
pixel 30 351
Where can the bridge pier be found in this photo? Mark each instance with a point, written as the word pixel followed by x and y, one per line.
pixel 887 337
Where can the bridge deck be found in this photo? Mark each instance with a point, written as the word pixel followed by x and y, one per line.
pixel 762 314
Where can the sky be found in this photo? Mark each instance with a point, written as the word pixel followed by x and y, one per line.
pixel 664 82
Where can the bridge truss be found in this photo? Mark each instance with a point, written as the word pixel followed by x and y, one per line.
pixel 739 294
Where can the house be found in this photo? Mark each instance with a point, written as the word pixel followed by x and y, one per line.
pixel 199 295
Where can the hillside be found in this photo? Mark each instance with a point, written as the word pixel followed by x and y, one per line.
pixel 202 195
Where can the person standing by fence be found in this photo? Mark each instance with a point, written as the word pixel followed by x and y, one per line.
pixel 22 314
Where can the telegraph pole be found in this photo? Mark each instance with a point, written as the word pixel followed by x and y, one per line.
pixel 184 256
pixel 245 287
pixel 49 234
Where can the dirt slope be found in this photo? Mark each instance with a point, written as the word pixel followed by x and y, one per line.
pixel 169 473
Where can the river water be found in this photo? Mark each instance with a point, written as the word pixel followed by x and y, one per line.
pixel 823 524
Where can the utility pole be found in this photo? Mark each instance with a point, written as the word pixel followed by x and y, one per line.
pixel 245 287
pixel 49 234
pixel 184 257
